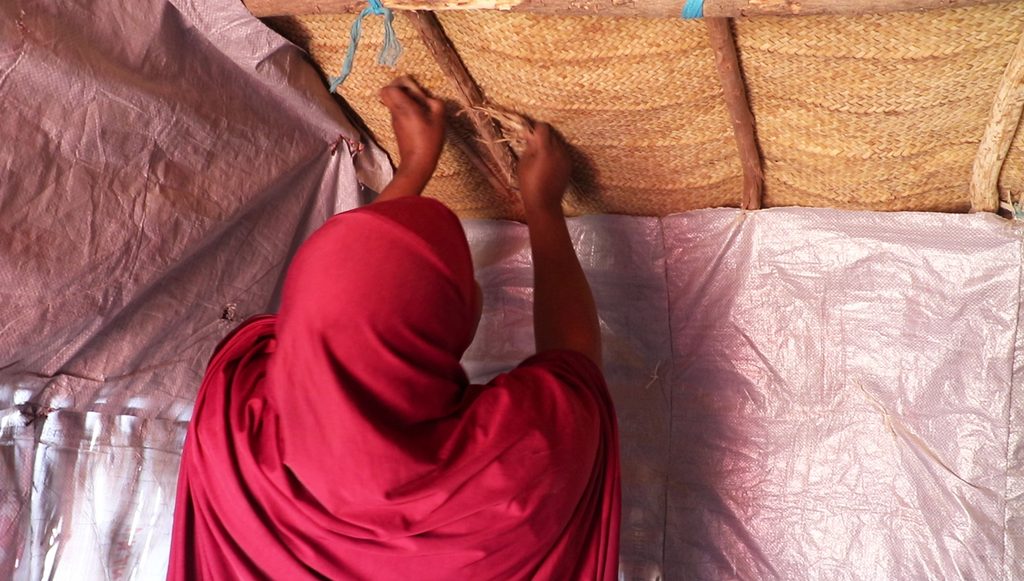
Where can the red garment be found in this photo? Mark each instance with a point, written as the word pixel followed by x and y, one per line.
pixel 342 440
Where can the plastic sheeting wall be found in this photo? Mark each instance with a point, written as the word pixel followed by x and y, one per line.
pixel 802 394
pixel 159 163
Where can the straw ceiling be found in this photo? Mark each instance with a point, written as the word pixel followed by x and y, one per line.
pixel 872 111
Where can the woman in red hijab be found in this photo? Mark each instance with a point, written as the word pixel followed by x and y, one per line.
pixel 341 439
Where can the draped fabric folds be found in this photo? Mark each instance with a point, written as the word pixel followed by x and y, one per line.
pixel 341 438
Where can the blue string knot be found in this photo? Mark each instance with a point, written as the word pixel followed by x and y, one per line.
pixel 389 51
pixel 693 9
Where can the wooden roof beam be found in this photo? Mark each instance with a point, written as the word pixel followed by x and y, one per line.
pixel 496 157
pixel 644 8
pixel 723 43
pixel 995 143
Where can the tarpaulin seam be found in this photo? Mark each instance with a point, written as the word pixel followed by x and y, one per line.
pixel 1015 346
pixel 669 379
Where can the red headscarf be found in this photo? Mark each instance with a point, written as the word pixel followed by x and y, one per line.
pixel 342 440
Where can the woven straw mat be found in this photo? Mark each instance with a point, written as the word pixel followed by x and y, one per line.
pixel 869 112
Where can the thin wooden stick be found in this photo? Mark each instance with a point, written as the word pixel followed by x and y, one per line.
pixel 995 144
pixel 496 153
pixel 645 8
pixel 489 173
pixel 724 46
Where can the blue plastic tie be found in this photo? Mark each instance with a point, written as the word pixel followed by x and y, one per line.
pixel 389 51
pixel 693 9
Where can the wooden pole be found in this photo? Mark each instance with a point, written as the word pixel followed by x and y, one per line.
pixel 995 143
pixel 644 8
pixel 723 43
pixel 489 173
pixel 497 156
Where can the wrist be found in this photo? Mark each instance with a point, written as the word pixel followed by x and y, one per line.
pixel 403 184
pixel 545 207
pixel 414 173
pixel 418 164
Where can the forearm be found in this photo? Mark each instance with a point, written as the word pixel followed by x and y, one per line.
pixel 418 120
pixel 405 183
pixel 564 314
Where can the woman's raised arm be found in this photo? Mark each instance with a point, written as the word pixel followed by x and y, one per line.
pixel 418 122
pixel 564 314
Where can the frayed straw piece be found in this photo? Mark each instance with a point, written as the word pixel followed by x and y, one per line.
pixel 513 128
pixel 480 163
pixel 511 123
pixel 507 119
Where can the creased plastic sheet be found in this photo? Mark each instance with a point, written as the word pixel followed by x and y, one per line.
pixel 99 490
pixel 841 395
pixel 831 398
pixel 159 163
pixel 624 262
pixel 802 394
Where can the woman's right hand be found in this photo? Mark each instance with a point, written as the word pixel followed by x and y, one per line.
pixel 418 122
pixel 564 315
pixel 544 169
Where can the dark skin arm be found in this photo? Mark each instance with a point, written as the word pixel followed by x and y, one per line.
pixel 564 313
pixel 418 122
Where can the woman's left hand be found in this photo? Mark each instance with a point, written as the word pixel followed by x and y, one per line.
pixel 418 122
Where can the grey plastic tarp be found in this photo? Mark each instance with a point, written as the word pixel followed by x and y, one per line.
pixel 802 394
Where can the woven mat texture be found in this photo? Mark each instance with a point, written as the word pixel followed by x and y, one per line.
pixel 876 112
pixel 869 112
pixel 326 39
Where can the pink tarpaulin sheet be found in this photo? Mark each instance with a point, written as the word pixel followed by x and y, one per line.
pixel 802 394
